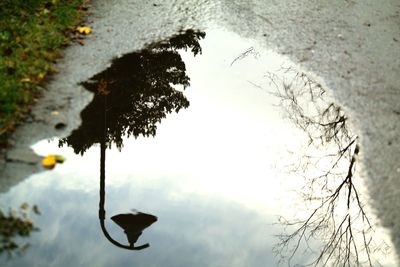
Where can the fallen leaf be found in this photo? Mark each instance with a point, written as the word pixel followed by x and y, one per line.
pixel 49 162
pixel 41 76
pixel 59 158
pixel 36 210
pixel 102 89
pixel 24 206
pixel 84 30
pixel 45 11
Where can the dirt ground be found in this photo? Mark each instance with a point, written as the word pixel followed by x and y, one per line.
pixel 352 46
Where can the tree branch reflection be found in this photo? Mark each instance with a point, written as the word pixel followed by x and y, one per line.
pixel 337 219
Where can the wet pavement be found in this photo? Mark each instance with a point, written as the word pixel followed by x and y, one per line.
pixel 219 174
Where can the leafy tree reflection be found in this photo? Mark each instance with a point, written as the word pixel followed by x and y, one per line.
pixel 16 224
pixel 136 92
pixel 337 219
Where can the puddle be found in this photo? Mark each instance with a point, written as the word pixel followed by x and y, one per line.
pixel 222 154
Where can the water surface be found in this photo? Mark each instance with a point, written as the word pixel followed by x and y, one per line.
pixel 216 146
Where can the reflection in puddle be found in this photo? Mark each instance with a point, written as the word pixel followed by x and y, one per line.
pixel 337 216
pixel 135 93
pixel 14 224
pixel 215 175
pixel 133 225
pixel 131 97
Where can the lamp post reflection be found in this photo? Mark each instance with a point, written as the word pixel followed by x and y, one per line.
pixel 132 224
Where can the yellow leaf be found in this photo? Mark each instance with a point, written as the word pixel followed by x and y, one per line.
pixel 49 162
pixel 41 76
pixel 102 89
pixel 45 11
pixel 25 80
pixel 24 206
pixel 9 63
pixel 84 30
pixel 59 158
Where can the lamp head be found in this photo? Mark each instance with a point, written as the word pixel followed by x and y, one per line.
pixel 134 224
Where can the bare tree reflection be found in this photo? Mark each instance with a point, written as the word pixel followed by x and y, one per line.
pixel 337 219
pixel 137 92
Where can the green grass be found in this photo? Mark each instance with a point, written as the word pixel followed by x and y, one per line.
pixel 32 32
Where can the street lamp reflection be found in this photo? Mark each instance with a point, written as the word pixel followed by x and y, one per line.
pixel 133 225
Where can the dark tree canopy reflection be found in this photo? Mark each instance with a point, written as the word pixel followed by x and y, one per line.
pixel 135 93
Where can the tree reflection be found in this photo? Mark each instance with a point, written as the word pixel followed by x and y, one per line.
pixel 136 92
pixel 14 224
pixel 337 219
